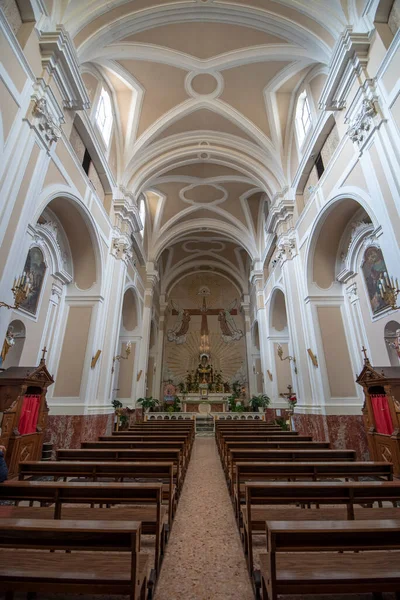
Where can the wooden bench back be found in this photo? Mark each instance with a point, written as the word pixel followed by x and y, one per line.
pixel 317 536
pixel 93 470
pixel 120 454
pixel 157 444
pixel 90 536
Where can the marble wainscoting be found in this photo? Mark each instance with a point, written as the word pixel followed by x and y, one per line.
pixel 342 431
pixel 68 431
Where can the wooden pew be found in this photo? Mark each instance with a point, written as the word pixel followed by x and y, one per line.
pixel 347 494
pixel 303 558
pixel 264 471
pixel 127 445
pixel 97 471
pixel 152 437
pixel 279 455
pixel 265 437
pixel 104 455
pixel 60 493
pixel 270 445
pixel 103 557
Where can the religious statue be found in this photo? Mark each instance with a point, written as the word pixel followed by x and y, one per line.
pixel 8 343
pixel 219 382
pixel 229 329
pixel 205 370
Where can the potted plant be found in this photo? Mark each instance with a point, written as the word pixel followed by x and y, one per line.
pixel 122 419
pixel 148 403
pixel 259 403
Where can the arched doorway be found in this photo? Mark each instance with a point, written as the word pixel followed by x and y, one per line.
pixel 280 338
pixel 13 344
pixel 392 340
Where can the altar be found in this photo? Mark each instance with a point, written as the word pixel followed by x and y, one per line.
pixel 196 403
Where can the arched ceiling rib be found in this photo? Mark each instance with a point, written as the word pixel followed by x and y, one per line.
pixel 204 93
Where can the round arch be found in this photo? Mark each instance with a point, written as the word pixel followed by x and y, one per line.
pixel 60 199
pixel 348 204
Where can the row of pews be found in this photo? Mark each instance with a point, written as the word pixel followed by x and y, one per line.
pixel 97 519
pixel 327 524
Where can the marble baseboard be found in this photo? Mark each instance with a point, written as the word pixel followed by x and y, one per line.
pixel 68 431
pixel 342 431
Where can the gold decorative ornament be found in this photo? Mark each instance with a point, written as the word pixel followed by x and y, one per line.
pixel 95 358
pixel 21 289
pixel 389 290
pixel 119 357
pixel 313 357
pixel 289 358
pixel 269 374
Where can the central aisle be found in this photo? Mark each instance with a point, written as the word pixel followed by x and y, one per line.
pixel 204 558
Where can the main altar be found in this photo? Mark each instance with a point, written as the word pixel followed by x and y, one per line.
pixel 213 402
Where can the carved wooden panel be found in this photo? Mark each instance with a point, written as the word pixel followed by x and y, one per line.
pixel 7 424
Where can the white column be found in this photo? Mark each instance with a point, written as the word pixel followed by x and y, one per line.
pixel 160 350
pixel 151 280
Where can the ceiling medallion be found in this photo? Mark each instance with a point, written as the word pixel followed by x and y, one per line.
pixel 204 85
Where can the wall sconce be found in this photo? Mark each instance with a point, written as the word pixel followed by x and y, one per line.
pixel 289 358
pixel 119 357
pixel 389 290
pixel 21 289
pixel 269 375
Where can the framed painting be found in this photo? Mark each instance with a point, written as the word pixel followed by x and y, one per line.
pixel 374 267
pixel 35 269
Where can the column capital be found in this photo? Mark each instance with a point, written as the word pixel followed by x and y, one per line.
pixel 121 248
pixel 152 277
pixel 281 211
pixel 44 114
pixel 126 211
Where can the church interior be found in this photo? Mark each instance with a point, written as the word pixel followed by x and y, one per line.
pixel 199 299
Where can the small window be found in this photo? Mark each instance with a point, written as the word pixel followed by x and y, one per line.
pixel 104 116
pixel 86 162
pixel 303 116
pixel 142 215
pixel 319 164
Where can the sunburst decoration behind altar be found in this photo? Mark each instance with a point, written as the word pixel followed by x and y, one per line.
pixel 225 357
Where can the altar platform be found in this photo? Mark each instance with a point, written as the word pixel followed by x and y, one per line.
pixel 201 404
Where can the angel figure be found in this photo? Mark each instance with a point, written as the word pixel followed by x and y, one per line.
pixel 229 329
pixel 178 333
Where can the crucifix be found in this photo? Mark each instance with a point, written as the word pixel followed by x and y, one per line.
pixel 364 351
pixel 204 311
pixel 44 354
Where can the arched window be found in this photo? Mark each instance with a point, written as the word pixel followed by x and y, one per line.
pixel 303 116
pixel 104 116
pixel 142 215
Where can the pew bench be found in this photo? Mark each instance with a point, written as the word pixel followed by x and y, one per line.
pixel 126 455
pixel 291 471
pixel 283 455
pixel 114 471
pixel 262 500
pixel 271 445
pixel 142 502
pixel 322 557
pixel 97 557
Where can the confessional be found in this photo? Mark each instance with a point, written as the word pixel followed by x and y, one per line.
pixel 23 413
pixel 381 412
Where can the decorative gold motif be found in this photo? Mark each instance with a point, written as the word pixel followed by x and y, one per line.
pixel 119 357
pixel 313 357
pixel 95 358
pixel 289 358
pixel 21 289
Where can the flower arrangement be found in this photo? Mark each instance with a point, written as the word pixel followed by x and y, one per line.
pixel 292 401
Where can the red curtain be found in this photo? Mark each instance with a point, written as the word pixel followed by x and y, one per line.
pixel 383 420
pixel 29 414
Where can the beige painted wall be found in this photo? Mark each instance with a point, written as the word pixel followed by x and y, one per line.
pixel 337 358
pixel 69 375
pixel 126 369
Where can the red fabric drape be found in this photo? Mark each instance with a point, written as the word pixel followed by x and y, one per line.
pixel 29 414
pixel 383 420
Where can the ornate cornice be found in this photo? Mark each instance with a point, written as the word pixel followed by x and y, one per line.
pixel 60 60
pixel 126 211
pixel 349 59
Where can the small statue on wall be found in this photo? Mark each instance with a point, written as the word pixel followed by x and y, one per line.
pixel 396 343
pixel 9 341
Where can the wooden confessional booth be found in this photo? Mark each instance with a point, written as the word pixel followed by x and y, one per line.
pixel 381 412
pixel 23 413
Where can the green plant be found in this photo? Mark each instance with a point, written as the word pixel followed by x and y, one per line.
pixel 261 401
pixel 148 403
pixel 116 404
pixel 282 423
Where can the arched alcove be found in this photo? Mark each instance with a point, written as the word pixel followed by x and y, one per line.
pixel 278 312
pixel 130 317
pixel 392 341
pixel 256 336
pixel 13 344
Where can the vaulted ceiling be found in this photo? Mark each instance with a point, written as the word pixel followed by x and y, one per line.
pixel 204 98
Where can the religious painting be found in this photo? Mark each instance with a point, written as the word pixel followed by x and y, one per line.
pixel 229 329
pixel 178 332
pixel 374 267
pixel 35 270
